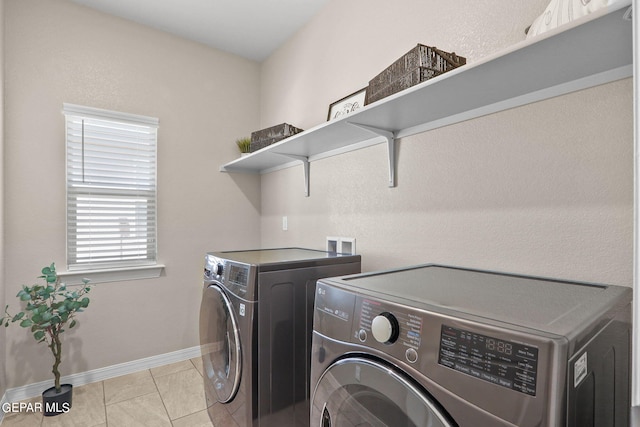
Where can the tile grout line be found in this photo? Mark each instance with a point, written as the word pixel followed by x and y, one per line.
pixel 133 397
pixel 187 415
pixel 192 366
pixel 104 403
pixel 164 405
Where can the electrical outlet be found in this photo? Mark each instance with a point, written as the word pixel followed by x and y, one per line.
pixel 285 223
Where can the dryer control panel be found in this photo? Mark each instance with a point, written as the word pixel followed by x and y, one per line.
pixel 388 327
pixel 505 363
pixel 431 342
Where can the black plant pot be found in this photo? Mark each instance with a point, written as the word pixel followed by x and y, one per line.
pixel 57 403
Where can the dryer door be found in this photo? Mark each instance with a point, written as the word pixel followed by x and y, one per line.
pixel 220 344
pixel 358 391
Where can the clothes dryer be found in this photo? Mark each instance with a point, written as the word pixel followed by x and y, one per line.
pixel 438 346
pixel 255 332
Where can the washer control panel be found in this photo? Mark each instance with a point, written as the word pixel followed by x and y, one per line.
pixel 388 328
pixel 233 276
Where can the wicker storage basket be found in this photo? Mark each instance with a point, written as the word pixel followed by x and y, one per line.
pixel 419 64
pixel 268 136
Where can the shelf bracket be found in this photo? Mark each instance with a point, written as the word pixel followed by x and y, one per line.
pixel 391 147
pixel 305 164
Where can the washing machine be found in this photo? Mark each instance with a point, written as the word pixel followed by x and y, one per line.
pixel 255 332
pixel 440 346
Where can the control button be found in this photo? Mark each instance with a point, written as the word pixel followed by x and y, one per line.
pixel 412 355
pixel 362 335
pixel 385 328
pixel 217 269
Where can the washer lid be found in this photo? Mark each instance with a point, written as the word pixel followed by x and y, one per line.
pixel 552 306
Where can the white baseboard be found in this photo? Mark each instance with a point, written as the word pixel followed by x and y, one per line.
pixel 33 390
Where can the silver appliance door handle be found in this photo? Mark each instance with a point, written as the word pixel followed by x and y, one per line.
pixel 326 417
pixel 229 353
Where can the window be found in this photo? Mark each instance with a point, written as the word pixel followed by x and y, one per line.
pixel 111 189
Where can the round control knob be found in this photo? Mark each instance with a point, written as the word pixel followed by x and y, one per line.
pixel 385 328
pixel 412 355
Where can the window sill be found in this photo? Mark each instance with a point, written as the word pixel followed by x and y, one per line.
pixel 112 275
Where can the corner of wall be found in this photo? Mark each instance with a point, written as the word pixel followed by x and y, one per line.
pixel 3 378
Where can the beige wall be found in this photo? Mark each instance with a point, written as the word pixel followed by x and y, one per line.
pixel 545 189
pixel 58 52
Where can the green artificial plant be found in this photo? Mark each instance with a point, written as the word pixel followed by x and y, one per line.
pixel 244 145
pixel 49 307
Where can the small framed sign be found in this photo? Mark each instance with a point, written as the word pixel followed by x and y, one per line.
pixel 347 105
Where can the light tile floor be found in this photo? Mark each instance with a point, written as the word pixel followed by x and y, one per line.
pixel 170 395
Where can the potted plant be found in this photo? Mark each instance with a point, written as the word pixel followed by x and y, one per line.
pixel 48 309
pixel 244 145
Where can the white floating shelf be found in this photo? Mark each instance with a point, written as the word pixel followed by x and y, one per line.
pixel 587 52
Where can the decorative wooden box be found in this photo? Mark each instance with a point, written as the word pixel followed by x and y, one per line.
pixel 268 136
pixel 419 64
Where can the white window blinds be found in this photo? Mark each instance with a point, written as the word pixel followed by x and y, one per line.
pixel 111 188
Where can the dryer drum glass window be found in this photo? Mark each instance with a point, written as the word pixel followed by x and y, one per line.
pixel 221 353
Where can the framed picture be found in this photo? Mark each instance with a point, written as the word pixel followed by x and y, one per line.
pixel 347 105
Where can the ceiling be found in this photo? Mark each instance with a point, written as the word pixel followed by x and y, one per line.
pixel 249 28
